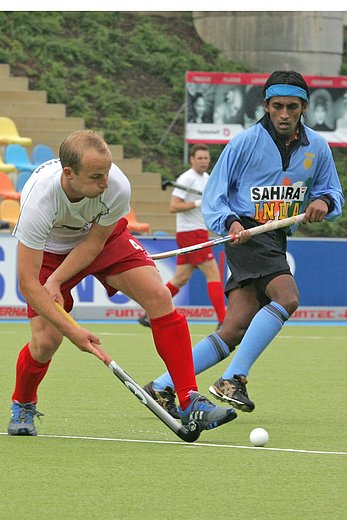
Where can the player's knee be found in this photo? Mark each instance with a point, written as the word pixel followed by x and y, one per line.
pixel 161 294
pixel 291 303
pixel 44 348
pixel 180 281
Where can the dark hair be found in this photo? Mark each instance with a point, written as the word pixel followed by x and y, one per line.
pixel 230 89
pixel 196 97
pixel 253 99
pixel 198 147
pixel 286 77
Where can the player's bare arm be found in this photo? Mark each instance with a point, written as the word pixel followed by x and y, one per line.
pixel 178 205
pixel 79 258
pixel 29 263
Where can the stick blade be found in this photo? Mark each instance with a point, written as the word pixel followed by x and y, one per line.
pixel 189 434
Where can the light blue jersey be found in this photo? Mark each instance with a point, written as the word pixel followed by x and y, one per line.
pixel 248 180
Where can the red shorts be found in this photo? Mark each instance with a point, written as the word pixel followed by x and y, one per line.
pixel 121 252
pixel 190 238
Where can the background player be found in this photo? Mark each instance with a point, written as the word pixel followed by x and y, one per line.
pixel 191 229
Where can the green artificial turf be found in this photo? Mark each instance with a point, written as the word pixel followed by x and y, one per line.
pixel 299 386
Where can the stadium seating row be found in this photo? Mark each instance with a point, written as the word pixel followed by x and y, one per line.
pixel 10 191
pixel 9 208
pixel 48 123
pixel 17 160
pixel 11 195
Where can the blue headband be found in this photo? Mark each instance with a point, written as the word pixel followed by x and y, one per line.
pixel 286 90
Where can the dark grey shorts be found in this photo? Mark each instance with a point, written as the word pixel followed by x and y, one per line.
pixel 257 261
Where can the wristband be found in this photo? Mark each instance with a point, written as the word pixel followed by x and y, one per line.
pixel 329 201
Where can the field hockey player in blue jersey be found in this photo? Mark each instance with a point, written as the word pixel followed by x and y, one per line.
pixel 277 168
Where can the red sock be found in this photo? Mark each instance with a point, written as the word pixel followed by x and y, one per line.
pixel 173 290
pixel 29 374
pixel 216 294
pixel 172 340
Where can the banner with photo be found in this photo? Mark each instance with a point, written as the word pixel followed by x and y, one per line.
pixel 220 105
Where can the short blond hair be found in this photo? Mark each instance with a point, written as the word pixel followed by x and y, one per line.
pixel 72 148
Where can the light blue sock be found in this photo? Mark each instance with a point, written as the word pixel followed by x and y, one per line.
pixel 206 353
pixel 265 325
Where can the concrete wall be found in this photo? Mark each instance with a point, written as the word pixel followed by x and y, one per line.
pixel 310 42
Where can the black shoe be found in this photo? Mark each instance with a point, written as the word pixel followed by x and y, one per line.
pixel 166 399
pixel 206 414
pixel 145 321
pixel 233 391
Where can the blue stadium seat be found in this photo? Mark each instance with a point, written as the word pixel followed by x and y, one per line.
pixel 17 155
pixel 23 176
pixel 42 153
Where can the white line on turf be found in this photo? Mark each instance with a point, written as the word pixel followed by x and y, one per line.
pixel 186 445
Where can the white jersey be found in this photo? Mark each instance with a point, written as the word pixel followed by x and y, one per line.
pixel 49 221
pixel 192 219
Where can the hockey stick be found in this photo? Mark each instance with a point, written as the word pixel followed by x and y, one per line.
pixel 165 184
pixel 269 226
pixel 189 434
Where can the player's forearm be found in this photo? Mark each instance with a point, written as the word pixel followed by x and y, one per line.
pixel 77 260
pixel 37 297
pixel 181 207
